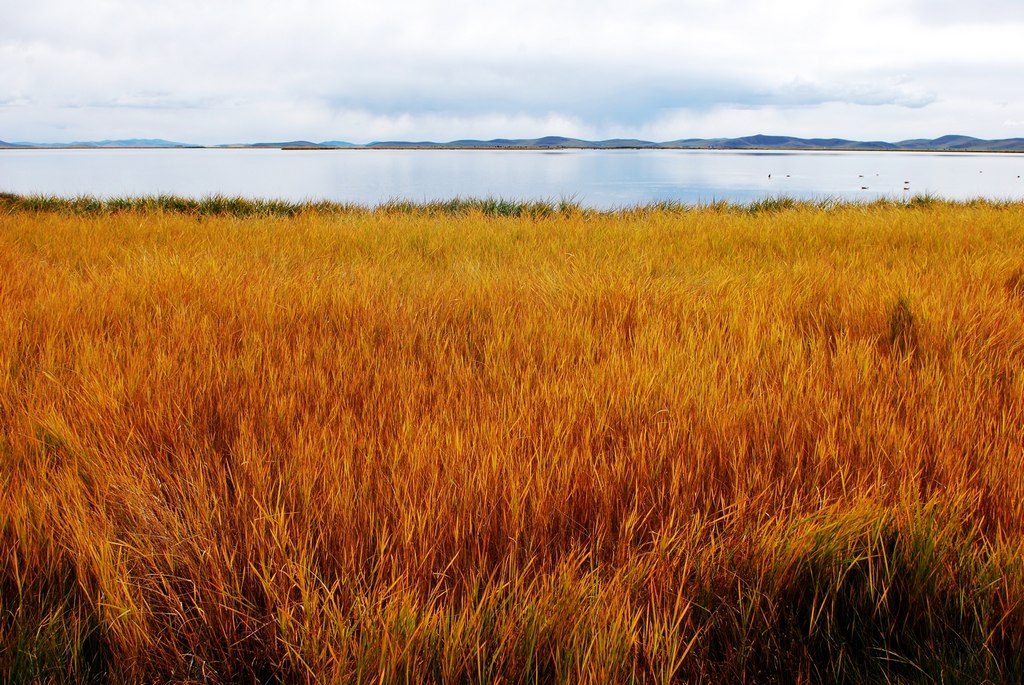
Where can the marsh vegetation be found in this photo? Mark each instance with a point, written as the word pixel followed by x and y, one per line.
pixel 487 441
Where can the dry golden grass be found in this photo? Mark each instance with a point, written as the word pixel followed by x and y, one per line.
pixel 421 444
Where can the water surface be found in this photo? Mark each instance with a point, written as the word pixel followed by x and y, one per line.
pixel 596 178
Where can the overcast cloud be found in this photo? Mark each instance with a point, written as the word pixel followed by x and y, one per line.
pixel 215 72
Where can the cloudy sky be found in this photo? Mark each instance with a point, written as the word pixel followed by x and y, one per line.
pixel 215 71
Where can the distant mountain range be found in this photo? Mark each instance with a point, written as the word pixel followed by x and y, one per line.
pixel 758 142
pixel 132 142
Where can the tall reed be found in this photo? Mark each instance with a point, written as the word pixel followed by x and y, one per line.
pixel 468 443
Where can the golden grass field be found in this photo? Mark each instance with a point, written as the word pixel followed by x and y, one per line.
pixel 259 443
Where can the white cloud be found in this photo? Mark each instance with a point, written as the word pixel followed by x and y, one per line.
pixel 315 69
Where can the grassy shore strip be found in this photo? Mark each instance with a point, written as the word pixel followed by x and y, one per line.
pixel 219 205
pixel 778 443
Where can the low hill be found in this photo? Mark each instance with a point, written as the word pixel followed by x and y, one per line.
pixel 964 143
pixel 286 144
pixel 131 142
pixel 125 143
pixel 763 142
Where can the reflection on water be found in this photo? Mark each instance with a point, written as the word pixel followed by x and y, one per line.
pixel 595 178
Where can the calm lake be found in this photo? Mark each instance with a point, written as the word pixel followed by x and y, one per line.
pixel 602 179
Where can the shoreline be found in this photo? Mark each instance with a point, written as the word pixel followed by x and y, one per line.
pixel 219 205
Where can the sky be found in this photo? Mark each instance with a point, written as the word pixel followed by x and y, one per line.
pixel 219 71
